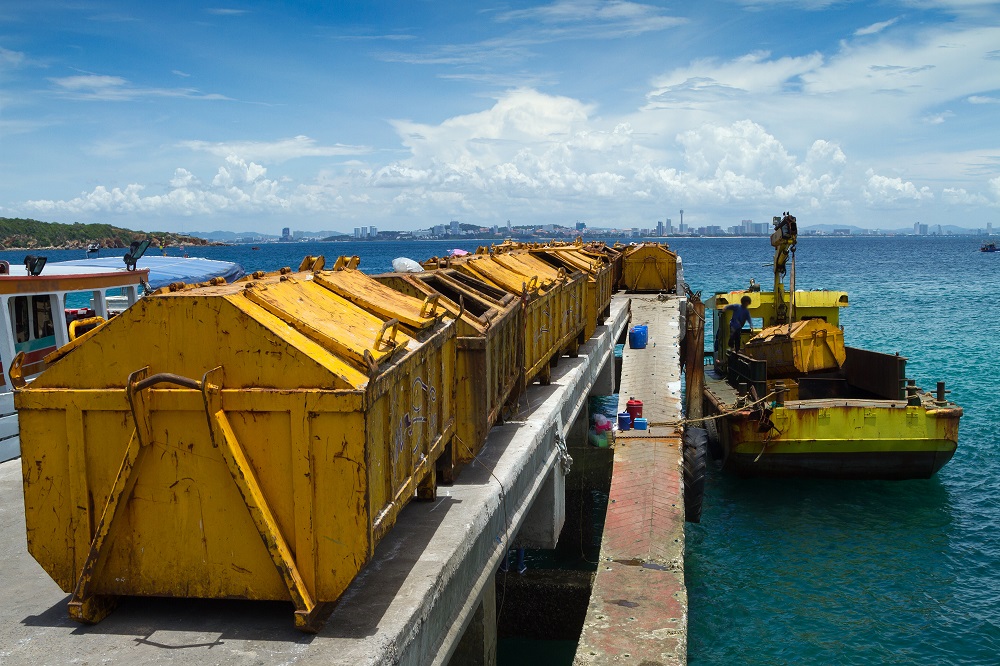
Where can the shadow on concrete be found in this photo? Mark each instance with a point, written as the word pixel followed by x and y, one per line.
pixel 143 617
pixel 360 610
pixel 205 623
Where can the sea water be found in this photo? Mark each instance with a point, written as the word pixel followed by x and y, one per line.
pixel 793 572
pixel 863 572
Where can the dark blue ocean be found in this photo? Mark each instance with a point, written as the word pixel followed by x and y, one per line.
pixel 788 572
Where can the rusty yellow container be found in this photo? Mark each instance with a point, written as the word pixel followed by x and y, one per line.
pixel 253 441
pixel 488 367
pixel 570 286
pixel 806 346
pixel 598 281
pixel 539 298
pixel 649 267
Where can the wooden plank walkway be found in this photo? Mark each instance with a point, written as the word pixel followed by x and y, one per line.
pixel 638 607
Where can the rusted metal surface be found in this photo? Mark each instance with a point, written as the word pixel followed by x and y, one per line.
pixel 274 480
pixel 650 267
pixel 488 371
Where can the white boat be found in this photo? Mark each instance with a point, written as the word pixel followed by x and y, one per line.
pixel 45 305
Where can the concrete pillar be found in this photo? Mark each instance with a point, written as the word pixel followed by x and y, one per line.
pixel 478 646
pixel 604 382
pixel 544 522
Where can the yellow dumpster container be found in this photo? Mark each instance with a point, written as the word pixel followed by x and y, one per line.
pixel 597 299
pixel 649 267
pixel 539 297
pixel 488 370
pixel 253 440
pixel 805 346
pixel 571 318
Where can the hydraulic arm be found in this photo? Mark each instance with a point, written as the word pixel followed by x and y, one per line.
pixel 783 240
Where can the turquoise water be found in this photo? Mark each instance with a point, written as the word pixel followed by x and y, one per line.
pixel 791 572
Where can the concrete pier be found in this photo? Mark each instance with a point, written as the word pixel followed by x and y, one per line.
pixel 428 595
pixel 638 606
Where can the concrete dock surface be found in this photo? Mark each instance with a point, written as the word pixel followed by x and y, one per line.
pixel 638 605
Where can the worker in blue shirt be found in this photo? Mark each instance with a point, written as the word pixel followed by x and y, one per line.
pixel 741 315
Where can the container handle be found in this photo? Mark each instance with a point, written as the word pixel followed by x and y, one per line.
pixel 311 263
pixel 167 378
pixel 346 262
pixel 77 323
pixel 391 324
pixel 431 301
pixel 16 372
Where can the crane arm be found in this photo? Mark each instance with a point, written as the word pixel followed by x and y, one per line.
pixel 783 241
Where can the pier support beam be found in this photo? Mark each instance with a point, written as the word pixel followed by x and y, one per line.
pixel 478 645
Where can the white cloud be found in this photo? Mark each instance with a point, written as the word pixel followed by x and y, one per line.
pixel 753 73
pixel 594 18
pixel 995 187
pixel 117 89
pixel 959 196
pixel 874 28
pixel 10 58
pixel 883 189
pixel 983 99
pixel 275 151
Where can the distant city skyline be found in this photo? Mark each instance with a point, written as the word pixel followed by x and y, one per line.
pixel 184 117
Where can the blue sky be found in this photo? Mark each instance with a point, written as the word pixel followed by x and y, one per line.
pixel 185 116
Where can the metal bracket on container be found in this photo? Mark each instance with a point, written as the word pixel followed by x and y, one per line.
pixel 242 472
pixel 430 302
pixel 16 372
pixel 391 343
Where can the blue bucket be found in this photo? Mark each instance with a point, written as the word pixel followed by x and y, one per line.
pixel 638 336
pixel 624 421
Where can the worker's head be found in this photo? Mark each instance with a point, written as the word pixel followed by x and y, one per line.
pixel 745 301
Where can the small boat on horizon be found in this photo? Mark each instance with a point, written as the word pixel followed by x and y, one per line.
pixel 988 247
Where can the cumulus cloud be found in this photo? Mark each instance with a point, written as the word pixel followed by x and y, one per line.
pixel 528 154
pixel 238 186
pixel 995 187
pixel 885 190
pixel 960 196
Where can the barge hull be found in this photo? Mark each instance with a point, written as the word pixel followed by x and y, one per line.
pixel 882 465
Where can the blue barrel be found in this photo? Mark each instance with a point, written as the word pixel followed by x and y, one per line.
pixel 624 421
pixel 641 423
pixel 638 336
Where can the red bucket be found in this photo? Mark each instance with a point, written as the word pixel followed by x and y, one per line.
pixel 634 408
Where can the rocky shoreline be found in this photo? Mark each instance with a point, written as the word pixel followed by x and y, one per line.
pixel 109 244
